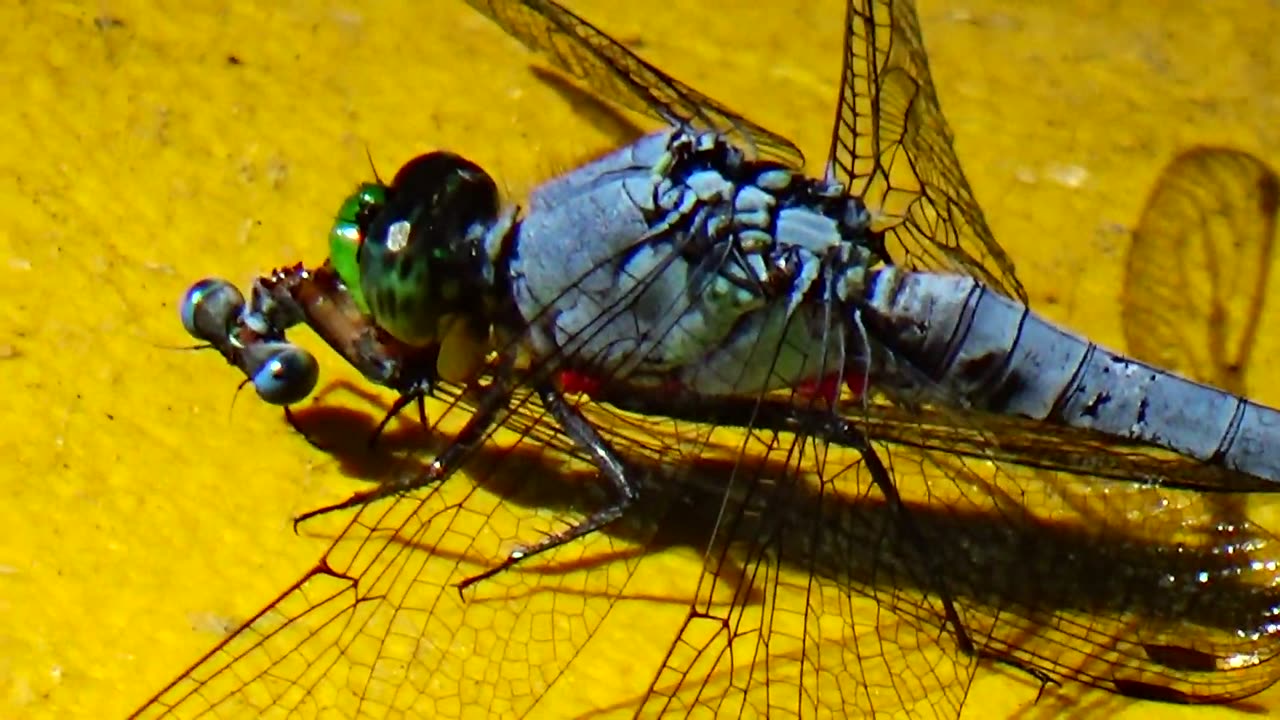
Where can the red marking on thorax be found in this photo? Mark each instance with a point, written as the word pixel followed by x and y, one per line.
pixel 579 381
pixel 827 388
pixel 573 382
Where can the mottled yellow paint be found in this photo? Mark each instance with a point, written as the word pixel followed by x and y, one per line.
pixel 144 145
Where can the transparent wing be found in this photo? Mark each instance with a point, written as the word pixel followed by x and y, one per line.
pixel 839 593
pixel 813 597
pixel 892 147
pixel 810 603
pixel 1199 263
pixel 615 73
pixel 378 629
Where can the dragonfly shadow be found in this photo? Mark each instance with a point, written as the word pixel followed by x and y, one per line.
pixel 1034 589
pixel 348 435
pixel 542 483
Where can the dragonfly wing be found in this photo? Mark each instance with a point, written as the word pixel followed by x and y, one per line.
pixel 892 147
pixel 613 72
pixel 843 569
pixel 1071 556
pixel 823 594
pixel 805 606
pixel 379 629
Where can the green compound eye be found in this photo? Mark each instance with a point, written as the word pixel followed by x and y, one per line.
pixel 420 252
pixel 350 228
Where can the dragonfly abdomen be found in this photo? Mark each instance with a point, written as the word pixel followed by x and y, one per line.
pixel 995 354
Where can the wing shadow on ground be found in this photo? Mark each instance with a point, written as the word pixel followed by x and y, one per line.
pixel 1032 573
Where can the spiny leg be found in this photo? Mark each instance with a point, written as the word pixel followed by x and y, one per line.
pixel 417 395
pixel 417 379
pixel 839 432
pixel 493 399
pixel 606 461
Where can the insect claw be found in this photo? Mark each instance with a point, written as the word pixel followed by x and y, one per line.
pixel 414 395
pixel 356 500
pixel 468 582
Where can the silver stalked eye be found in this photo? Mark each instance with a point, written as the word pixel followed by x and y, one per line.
pixel 287 374
pixel 208 307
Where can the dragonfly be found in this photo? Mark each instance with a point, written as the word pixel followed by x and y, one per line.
pixel 922 475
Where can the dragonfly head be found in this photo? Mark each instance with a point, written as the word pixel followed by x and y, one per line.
pixel 421 256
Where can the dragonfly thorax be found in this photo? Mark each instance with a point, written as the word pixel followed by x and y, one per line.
pixel 680 260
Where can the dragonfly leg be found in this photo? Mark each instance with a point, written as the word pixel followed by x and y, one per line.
pixel 842 433
pixel 405 399
pixel 493 399
pixel 606 461
pixel 1040 676
pixel 412 375
pixel 880 476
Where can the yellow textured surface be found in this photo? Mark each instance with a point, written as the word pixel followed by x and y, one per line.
pixel 143 514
